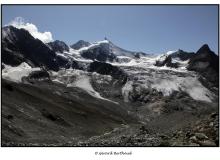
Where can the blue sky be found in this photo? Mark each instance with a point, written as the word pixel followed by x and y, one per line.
pixel 148 28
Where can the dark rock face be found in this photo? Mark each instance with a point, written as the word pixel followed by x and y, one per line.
pixel 76 65
pixel 101 53
pixel 38 75
pixel 2 66
pixel 63 62
pixel 108 69
pixel 123 60
pixel 139 54
pixel 80 44
pixel 204 59
pixel 58 46
pixel 68 63
pixel 182 55
pixel 19 46
pixel 167 62
pixel 206 63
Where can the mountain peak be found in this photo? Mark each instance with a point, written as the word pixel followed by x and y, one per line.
pixel 20 46
pixel 204 49
pixel 203 60
pixel 10 31
pixel 79 44
pixel 58 46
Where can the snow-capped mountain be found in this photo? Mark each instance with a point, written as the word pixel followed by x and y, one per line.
pixel 109 50
pixel 105 58
pixel 103 83
pixel 104 51
pixel 19 46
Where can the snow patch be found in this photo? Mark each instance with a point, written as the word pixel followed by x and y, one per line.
pixel 84 83
pixel 101 79
pixel 166 87
pixel 72 52
pixel 149 62
pixel 190 85
pixel 57 80
pixel 121 57
pixel 180 69
pixel 61 55
pixel 77 78
pixel 126 90
pixel 166 82
pixel 171 52
pixel 16 73
pixel 93 45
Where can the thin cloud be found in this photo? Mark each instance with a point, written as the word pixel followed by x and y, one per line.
pixel 19 22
